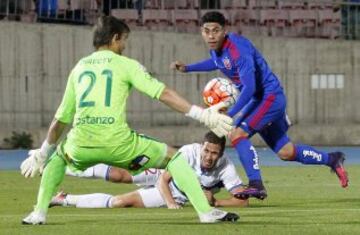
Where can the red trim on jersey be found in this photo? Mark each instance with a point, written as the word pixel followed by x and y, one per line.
pixel 226 43
pixel 237 140
pixel 236 80
pixel 294 153
pixel 262 111
pixel 234 55
pixel 233 50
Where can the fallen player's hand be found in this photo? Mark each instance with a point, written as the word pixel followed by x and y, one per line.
pixel 33 164
pixel 178 65
pixel 218 123
pixel 173 206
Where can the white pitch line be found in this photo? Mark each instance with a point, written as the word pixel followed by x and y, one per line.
pixel 252 211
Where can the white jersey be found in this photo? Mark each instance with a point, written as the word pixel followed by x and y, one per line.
pixel 223 174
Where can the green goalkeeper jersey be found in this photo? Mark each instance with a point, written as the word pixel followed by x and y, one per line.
pixel 95 98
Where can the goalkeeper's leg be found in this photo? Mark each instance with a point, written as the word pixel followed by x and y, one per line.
pixel 52 176
pixel 185 178
pixel 187 181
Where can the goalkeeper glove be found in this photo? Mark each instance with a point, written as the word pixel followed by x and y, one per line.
pixel 36 160
pixel 218 123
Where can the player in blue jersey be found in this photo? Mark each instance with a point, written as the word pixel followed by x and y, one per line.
pixel 260 107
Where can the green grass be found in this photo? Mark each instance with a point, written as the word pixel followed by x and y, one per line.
pixel 302 200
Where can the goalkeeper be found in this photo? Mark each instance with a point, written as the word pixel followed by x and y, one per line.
pixel 95 102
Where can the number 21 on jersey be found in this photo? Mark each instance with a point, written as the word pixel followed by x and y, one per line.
pixel 89 75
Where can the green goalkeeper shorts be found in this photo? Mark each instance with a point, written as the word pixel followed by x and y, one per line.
pixel 141 153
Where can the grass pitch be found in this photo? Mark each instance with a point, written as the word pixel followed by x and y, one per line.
pixel 302 200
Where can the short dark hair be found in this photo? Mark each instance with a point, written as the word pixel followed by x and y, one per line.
pixel 105 29
pixel 213 17
pixel 214 139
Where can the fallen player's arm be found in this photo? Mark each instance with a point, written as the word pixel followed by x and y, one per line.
pixel 209 196
pixel 164 189
pixel 232 201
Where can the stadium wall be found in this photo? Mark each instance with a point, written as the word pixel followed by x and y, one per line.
pixel 36 59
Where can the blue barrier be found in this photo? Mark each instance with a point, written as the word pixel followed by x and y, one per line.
pixel 11 159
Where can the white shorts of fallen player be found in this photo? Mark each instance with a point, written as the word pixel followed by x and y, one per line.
pixel 152 198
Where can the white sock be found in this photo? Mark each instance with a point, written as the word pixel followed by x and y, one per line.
pixel 101 171
pixel 95 200
pixel 147 177
pixel 97 171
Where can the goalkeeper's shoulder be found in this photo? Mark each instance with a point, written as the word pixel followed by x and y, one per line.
pixel 124 60
pixel 130 65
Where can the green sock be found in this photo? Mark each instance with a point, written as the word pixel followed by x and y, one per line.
pixel 52 176
pixel 187 181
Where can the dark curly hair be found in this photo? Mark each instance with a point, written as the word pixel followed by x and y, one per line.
pixel 213 17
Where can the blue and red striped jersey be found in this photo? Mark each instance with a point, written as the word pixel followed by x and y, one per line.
pixel 241 62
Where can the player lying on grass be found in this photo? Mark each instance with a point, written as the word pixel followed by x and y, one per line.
pixel 94 103
pixel 260 107
pixel 213 170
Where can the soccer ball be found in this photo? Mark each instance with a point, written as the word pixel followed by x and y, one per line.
pixel 220 89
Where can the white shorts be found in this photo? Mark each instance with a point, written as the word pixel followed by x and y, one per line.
pixel 151 197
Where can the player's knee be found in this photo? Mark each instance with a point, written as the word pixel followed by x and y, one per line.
pixel 115 175
pixel 171 152
pixel 237 133
pixel 286 153
pixel 117 202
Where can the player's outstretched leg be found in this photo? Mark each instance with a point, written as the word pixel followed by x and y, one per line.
pixel 311 156
pixel 336 163
pixel 187 181
pixel 93 200
pixel 53 175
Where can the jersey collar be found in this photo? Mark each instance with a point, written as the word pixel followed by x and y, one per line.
pixel 226 43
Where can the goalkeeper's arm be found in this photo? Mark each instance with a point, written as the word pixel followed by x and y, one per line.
pixel 37 157
pixel 220 124
pixel 55 131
